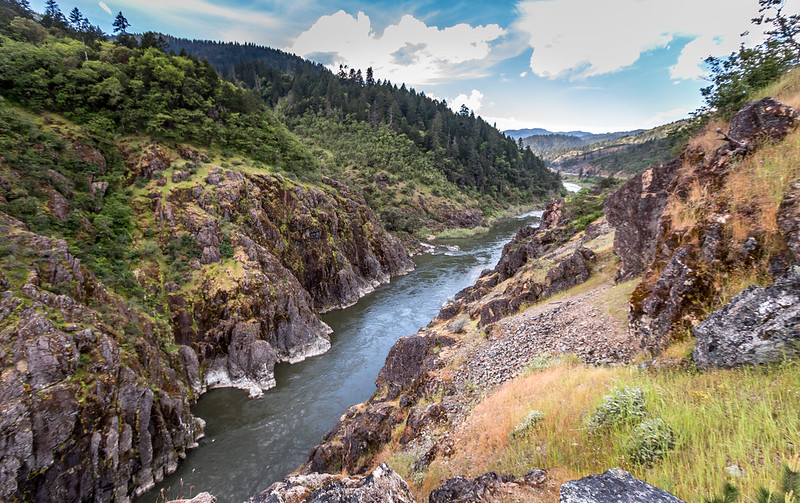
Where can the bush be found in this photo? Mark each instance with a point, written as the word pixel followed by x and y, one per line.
pixel 651 440
pixel 625 405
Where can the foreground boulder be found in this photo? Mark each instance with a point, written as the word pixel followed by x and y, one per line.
pixel 487 487
pixel 382 485
pixel 615 485
pixel 760 325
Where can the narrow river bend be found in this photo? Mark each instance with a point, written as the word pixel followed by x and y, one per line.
pixel 250 444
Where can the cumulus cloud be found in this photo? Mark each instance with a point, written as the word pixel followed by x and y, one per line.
pixel 408 51
pixel 583 38
pixel 474 101
pixel 104 6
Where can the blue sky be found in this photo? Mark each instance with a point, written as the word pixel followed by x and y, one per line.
pixel 594 65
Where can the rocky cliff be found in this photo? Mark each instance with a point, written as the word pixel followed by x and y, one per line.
pixel 690 224
pixel 255 257
pixel 94 397
pixel 223 267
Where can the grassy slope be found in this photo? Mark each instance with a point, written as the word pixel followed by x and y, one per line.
pixel 745 418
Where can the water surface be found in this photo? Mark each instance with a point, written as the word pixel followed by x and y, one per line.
pixel 250 444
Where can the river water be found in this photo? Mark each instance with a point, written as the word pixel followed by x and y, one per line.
pixel 250 444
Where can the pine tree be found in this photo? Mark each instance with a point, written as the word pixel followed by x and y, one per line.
pixel 120 24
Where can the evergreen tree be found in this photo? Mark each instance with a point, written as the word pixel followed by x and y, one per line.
pixel 53 16
pixel 120 24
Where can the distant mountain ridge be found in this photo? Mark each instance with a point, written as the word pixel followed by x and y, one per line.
pixel 523 133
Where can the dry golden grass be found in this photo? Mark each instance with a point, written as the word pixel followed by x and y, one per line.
pixel 787 90
pixel 706 140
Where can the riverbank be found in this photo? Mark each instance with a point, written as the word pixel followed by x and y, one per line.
pixel 263 440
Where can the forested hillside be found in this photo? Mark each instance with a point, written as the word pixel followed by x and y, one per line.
pixel 469 152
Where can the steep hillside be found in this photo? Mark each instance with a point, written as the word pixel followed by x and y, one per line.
pixel 614 154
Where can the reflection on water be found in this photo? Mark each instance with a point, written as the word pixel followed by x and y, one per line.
pixel 250 444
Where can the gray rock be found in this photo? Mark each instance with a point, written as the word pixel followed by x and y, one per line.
pixel 760 325
pixel 615 485
pixel 382 485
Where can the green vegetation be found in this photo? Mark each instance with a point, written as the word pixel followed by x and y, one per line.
pixel 738 76
pixel 467 151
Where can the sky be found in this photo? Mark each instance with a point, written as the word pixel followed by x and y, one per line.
pixel 590 65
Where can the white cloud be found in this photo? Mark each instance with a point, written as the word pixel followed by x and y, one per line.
pixel 474 101
pixel 408 51
pixel 583 38
pixel 105 7
pixel 667 116
pixel 523 74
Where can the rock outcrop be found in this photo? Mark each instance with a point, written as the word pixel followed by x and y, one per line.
pixel 382 485
pixel 93 405
pixel 488 487
pixel 263 256
pixel 760 325
pixel 685 250
pixel 635 211
pixel 614 485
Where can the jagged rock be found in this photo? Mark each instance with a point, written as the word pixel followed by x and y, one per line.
pixel 382 485
pixel 760 325
pixel 77 423
pixel 180 175
pixel 762 121
pixel 615 485
pixel 98 189
pixel 571 271
pixel 635 210
pixel 684 253
pixel 405 362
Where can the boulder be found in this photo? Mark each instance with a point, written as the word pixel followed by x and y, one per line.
pixel 488 487
pixel 382 485
pixel 760 325
pixel 615 485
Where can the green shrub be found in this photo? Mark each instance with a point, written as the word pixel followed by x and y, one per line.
pixel 625 405
pixel 651 440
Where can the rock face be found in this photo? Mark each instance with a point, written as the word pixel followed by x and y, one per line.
pixel 684 252
pixel 93 407
pixel 382 485
pixel 264 256
pixel 635 211
pixel 760 325
pixel 614 485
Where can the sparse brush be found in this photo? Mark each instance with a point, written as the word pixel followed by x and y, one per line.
pixel 625 405
pixel 533 418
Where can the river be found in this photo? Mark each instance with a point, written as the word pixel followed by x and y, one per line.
pixel 250 444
